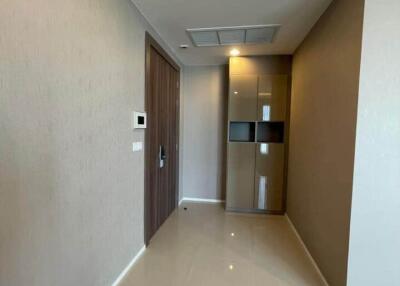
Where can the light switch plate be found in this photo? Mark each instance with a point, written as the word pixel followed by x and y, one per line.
pixel 137 146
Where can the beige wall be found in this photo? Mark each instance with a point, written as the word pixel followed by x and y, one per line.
pixel 204 134
pixel 322 137
pixel 375 224
pixel 71 190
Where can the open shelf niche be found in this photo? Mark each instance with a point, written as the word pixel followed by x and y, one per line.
pixel 270 132
pixel 242 131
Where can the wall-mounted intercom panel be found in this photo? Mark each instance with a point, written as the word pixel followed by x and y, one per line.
pixel 139 120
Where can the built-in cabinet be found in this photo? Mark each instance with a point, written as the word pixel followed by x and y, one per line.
pixel 243 102
pixel 258 114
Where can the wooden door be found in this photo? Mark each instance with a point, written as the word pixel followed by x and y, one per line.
pixel 162 106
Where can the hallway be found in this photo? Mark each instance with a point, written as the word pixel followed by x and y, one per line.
pixel 204 245
pixel 126 123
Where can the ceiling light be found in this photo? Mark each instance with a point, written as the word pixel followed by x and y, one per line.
pixel 235 52
pixel 184 46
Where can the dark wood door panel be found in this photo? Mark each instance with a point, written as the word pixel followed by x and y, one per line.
pixel 162 94
pixel 152 181
pixel 163 142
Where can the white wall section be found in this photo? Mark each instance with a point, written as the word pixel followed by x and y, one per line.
pixel 375 224
pixel 204 132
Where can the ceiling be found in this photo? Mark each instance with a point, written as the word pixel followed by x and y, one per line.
pixel 171 19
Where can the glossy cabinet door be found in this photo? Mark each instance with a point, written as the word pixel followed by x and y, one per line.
pixel 269 173
pixel 272 98
pixel 240 176
pixel 243 98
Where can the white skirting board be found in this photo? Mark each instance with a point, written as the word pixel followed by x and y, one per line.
pixel 127 268
pixel 306 250
pixel 209 201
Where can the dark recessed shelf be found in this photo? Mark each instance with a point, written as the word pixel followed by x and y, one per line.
pixel 242 131
pixel 270 132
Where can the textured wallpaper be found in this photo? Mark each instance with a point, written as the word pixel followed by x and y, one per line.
pixel 375 225
pixel 71 190
pixel 326 69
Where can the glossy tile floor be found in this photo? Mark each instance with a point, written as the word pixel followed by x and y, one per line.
pixel 206 246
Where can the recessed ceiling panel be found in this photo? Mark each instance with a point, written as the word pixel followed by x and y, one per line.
pixel 261 35
pixel 205 38
pixel 229 37
pixel 236 35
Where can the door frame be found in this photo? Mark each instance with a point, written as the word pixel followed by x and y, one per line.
pixel 150 43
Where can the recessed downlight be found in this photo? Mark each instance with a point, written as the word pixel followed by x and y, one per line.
pixel 235 52
pixel 184 46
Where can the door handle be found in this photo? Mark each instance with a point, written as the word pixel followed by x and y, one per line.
pixel 162 156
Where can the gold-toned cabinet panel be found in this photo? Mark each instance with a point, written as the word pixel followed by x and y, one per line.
pixel 240 176
pixel 269 173
pixel 243 98
pixel 272 98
